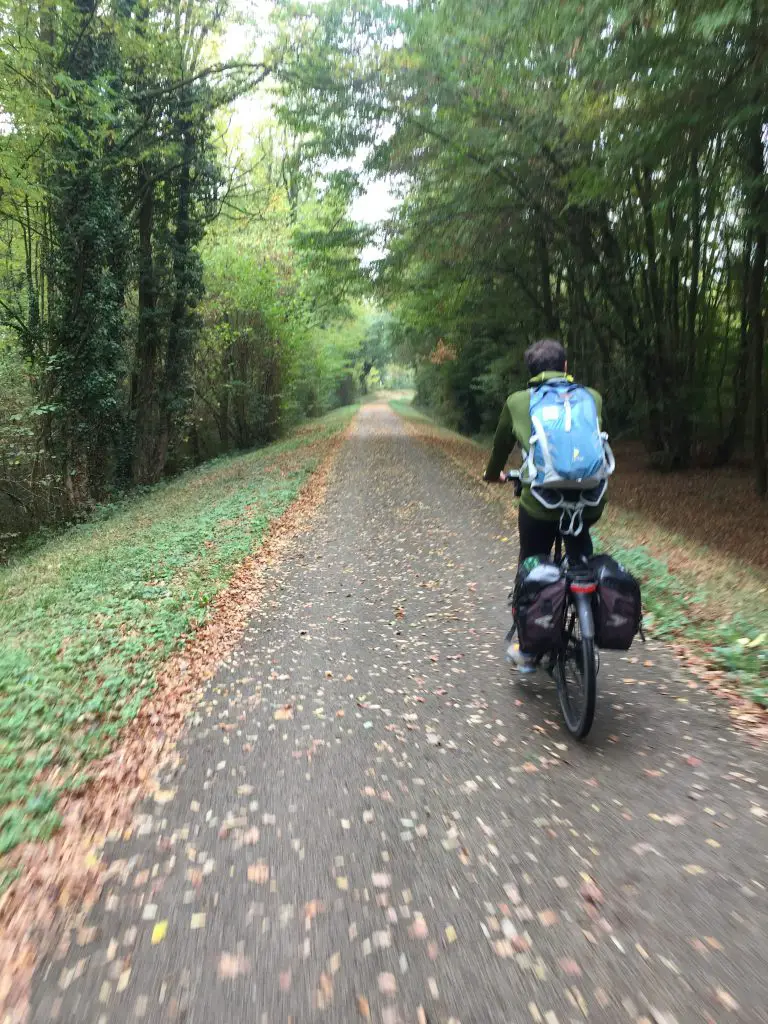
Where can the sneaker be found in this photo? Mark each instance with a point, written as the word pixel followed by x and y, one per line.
pixel 524 663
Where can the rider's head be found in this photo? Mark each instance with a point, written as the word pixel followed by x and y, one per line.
pixel 545 355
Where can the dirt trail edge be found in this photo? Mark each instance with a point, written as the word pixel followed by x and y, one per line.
pixel 61 879
pixel 369 818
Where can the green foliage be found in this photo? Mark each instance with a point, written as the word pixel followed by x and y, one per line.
pixel 571 169
pixel 113 166
pixel 86 272
pixel 86 619
pixel 283 329
pixel 676 606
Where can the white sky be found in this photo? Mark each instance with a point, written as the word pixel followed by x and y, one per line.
pixel 370 208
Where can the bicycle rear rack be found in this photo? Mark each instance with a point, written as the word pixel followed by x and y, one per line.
pixel 582 579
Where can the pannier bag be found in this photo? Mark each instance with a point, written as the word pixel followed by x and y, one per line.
pixel 538 605
pixel 618 605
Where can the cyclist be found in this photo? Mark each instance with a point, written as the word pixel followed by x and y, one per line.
pixel 538 526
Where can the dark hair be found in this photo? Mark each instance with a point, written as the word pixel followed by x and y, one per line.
pixel 545 355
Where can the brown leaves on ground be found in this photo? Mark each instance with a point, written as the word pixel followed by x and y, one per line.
pixel 591 893
pixel 232 965
pixel 61 880
pixel 698 504
pixel 716 507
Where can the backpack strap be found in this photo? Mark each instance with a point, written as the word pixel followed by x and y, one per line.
pixel 572 519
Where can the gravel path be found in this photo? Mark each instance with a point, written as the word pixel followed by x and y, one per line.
pixel 372 819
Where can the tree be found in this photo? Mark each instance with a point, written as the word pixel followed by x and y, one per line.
pixel 573 168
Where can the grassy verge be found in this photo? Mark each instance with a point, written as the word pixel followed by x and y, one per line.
pixel 86 619
pixel 689 591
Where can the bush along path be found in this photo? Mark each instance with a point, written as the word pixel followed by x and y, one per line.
pixel 87 624
pixel 368 818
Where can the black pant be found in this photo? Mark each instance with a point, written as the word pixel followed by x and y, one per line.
pixel 538 535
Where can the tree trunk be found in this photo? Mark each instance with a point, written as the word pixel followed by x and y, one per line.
pixel 734 437
pixel 757 354
pixel 146 394
pixel 695 268
pixel 545 285
pixel 183 322
pixel 757 214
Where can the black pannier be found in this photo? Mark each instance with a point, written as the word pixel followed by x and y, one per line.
pixel 618 604
pixel 538 605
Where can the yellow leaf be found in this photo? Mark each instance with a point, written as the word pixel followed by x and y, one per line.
pixel 695 869
pixel 258 873
pixel 164 796
pixel 158 932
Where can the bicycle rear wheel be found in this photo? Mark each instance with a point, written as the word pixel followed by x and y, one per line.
pixel 575 673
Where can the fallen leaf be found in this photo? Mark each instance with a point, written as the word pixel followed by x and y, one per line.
pixel 387 984
pixel 726 999
pixel 258 873
pixel 232 965
pixel 159 932
pixel 590 892
pixel 363 1008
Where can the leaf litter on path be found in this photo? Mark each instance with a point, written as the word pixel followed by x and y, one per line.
pixel 56 884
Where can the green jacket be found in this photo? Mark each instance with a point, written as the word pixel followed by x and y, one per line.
pixel 515 429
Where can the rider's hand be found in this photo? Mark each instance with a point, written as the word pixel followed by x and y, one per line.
pixel 502 477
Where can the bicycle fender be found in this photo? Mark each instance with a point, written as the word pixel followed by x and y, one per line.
pixel 583 604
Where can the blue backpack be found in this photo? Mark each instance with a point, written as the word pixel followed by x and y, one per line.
pixel 569 459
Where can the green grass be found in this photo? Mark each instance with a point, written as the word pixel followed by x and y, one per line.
pixel 714 601
pixel 86 619
pixel 728 616
pixel 405 407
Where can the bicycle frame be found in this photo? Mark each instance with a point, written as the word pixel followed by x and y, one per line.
pixel 581 596
pixel 582 586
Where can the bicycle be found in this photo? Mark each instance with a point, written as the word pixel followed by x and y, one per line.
pixel 573 664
